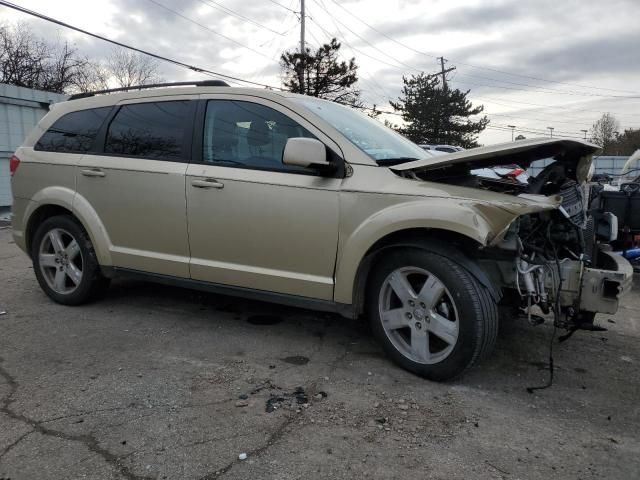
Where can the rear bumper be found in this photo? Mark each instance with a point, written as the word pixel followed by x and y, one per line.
pixel 601 288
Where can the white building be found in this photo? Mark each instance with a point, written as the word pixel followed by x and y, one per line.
pixel 20 109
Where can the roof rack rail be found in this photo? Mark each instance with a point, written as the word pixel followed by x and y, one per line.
pixel 203 83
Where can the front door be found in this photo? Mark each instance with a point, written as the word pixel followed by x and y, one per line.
pixel 135 183
pixel 253 221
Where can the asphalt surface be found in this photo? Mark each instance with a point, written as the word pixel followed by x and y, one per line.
pixel 159 382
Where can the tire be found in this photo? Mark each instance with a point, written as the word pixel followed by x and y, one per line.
pixel 440 331
pixel 65 262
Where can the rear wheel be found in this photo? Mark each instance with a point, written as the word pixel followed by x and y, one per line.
pixel 65 262
pixel 431 315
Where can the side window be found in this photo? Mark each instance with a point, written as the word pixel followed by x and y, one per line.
pixel 248 134
pixel 153 130
pixel 73 132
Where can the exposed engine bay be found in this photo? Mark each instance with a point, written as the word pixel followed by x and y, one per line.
pixel 556 260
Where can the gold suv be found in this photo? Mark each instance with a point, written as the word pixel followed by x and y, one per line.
pixel 292 199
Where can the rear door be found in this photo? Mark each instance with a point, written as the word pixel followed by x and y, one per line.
pixel 253 221
pixel 135 182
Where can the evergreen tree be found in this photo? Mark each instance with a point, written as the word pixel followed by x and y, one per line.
pixel 320 74
pixel 436 114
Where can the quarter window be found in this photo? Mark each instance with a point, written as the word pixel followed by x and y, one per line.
pixel 248 134
pixel 153 130
pixel 73 132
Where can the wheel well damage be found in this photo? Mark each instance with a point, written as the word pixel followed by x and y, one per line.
pixel 455 246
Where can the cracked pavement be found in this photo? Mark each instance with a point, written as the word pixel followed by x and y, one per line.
pixel 147 383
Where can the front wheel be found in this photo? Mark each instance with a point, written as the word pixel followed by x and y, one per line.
pixel 431 315
pixel 65 262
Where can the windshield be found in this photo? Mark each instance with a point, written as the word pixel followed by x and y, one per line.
pixel 379 142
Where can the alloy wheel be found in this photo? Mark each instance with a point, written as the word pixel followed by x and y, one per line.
pixel 418 315
pixel 60 261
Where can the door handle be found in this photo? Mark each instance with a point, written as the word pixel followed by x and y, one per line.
pixel 92 172
pixel 208 183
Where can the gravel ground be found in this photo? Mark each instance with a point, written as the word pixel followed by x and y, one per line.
pixel 159 382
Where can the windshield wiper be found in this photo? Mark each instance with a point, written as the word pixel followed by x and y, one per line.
pixel 389 162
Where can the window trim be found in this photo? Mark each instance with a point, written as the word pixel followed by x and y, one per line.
pixel 95 139
pixel 198 144
pixel 185 157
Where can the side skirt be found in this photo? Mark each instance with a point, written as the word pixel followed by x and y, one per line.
pixel 260 295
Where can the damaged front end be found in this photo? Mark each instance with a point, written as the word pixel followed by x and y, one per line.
pixel 552 253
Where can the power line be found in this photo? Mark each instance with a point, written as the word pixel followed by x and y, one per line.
pixel 206 28
pixel 365 40
pixel 286 8
pixel 129 47
pixel 477 66
pixel 330 36
pixel 376 94
pixel 228 11
pixel 547 91
pixel 563 107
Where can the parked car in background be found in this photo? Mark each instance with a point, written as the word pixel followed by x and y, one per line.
pixel 288 198
pixel 441 148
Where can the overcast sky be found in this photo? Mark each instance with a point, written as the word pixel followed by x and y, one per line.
pixel 533 64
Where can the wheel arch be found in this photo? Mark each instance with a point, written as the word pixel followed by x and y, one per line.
pixel 80 211
pixel 453 245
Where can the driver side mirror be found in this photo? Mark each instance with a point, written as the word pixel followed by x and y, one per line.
pixel 305 152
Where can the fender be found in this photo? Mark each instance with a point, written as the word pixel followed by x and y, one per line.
pixel 55 195
pixel 89 218
pixel 462 217
pixel 68 199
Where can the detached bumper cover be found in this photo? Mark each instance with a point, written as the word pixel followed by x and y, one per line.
pixel 602 289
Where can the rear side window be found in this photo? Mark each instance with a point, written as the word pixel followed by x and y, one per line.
pixel 73 132
pixel 153 130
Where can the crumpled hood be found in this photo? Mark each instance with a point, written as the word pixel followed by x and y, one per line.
pixel 521 152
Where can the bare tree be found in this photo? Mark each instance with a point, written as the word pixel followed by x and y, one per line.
pixel 94 77
pixel 27 61
pixel 131 68
pixel 604 132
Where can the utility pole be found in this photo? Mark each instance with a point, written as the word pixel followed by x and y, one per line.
pixel 302 51
pixel 512 127
pixel 551 130
pixel 444 72
pixel 585 133
pixel 443 138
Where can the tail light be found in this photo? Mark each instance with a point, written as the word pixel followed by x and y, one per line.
pixel 14 161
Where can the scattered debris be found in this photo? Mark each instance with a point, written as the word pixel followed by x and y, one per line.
pixel 290 400
pixel 296 360
pixel 242 456
pixel 3 312
pixel 242 403
pixel 243 396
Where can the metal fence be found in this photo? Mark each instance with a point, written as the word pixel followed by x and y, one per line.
pixel 603 164
pixel 20 110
